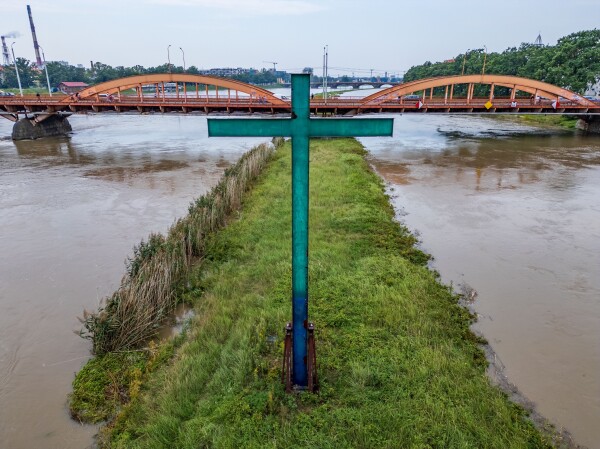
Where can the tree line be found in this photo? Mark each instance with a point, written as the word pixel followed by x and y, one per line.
pixel 573 63
pixel 58 72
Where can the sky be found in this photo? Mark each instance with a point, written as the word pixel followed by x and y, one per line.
pixel 380 35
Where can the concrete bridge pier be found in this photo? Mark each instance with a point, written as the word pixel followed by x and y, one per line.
pixel 591 124
pixel 54 125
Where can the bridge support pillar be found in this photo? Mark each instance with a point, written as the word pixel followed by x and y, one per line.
pixel 590 124
pixel 55 125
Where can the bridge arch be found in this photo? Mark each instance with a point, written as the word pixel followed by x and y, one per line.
pixel 160 79
pixel 514 83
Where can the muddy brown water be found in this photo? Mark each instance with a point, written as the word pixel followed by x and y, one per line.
pixel 511 214
pixel 507 210
pixel 71 210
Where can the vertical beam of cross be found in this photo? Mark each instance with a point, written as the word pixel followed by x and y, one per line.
pixel 300 183
pixel 300 128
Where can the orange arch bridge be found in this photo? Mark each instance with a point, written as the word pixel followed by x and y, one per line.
pixel 542 95
pixel 160 84
pixel 174 90
pixel 181 92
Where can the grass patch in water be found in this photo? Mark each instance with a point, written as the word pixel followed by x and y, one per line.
pixel 109 381
pixel 563 121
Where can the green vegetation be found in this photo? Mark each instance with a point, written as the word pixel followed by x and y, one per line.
pixel 552 120
pixel 573 63
pixel 105 383
pixel 334 93
pixel 564 121
pixel 110 380
pixel 32 90
pixel 398 364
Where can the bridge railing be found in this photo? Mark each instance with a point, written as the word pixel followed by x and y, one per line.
pixel 33 102
pixel 478 101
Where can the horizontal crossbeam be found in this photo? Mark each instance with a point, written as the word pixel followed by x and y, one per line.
pixel 330 127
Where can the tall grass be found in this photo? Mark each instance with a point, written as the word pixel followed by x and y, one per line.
pixel 146 295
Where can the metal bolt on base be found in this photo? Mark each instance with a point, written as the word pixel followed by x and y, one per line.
pixel 310 361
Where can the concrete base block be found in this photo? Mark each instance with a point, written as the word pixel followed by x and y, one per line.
pixel 591 125
pixel 54 125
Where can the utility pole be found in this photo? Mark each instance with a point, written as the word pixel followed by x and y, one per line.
pixel 325 74
pixel 464 60
pixel 323 77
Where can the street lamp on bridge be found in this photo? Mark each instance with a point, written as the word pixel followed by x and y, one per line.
pixel 183 53
pixel 484 58
pixel 169 57
pixel 16 68
pixel 46 70
pixel 464 61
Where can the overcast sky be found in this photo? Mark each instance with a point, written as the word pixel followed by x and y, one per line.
pixel 384 35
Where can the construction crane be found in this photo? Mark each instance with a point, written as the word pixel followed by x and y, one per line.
pixel 274 65
pixel 36 46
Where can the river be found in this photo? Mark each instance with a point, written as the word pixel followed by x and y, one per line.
pixel 71 210
pixel 508 210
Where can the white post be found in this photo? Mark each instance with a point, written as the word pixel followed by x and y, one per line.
pixel 46 69
pixel 326 69
pixel 16 68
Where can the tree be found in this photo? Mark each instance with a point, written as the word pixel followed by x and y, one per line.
pixel 27 72
pixel 58 72
pixel 103 72
pixel 573 63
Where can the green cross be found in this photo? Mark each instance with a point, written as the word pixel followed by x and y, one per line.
pixel 300 127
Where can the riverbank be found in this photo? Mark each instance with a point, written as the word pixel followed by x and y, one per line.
pixel 398 364
pixel 560 121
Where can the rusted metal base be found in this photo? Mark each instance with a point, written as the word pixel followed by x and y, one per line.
pixel 313 379
pixel 286 372
pixel 311 361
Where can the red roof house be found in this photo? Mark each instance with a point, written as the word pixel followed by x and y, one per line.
pixel 70 87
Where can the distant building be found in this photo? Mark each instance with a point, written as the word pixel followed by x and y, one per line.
pixel 593 89
pixel 227 71
pixel 70 87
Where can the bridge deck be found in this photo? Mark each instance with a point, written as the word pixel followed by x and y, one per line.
pixel 13 107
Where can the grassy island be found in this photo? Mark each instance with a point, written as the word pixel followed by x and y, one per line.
pixel 398 365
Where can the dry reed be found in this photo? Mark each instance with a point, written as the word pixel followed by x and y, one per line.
pixel 147 293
